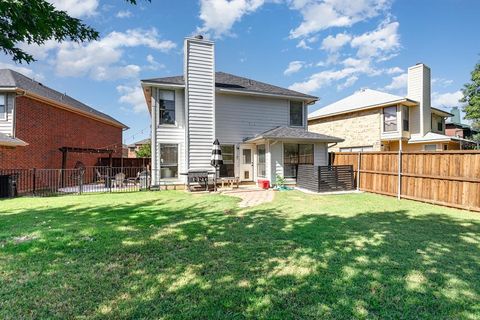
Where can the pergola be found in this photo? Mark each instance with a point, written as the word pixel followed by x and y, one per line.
pixel 66 150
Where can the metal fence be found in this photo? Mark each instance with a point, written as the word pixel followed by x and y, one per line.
pixel 48 182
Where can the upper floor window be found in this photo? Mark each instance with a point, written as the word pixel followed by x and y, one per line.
pixel 405 118
pixel 390 119
pixel 440 125
pixel 166 106
pixel 3 107
pixel 296 113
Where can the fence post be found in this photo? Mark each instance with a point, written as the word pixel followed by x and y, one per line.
pixel 34 180
pixel 80 181
pixel 109 181
pixel 358 170
pixel 399 186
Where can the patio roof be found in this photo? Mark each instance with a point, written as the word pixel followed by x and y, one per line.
pixel 289 133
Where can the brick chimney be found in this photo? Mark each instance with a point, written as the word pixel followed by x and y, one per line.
pixel 199 75
pixel 419 89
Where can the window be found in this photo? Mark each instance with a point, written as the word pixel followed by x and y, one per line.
pixel 430 147
pixel 227 169
pixel 445 147
pixel 296 113
pixel 3 107
pixel 295 154
pixel 440 125
pixel 390 119
pixel 166 106
pixel 356 149
pixel 261 171
pixel 405 117
pixel 168 161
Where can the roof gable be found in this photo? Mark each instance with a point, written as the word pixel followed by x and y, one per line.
pixel 11 78
pixel 359 100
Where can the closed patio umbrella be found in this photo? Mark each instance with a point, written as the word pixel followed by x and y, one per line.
pixel 216 159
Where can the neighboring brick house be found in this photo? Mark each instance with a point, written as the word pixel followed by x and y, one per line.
pixel 134 147
pixel 35 121
pixel 455 128
pixel 371 120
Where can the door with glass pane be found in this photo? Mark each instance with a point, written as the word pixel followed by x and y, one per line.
pixel 246 163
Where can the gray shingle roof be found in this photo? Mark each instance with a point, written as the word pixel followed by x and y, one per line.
pixel 288 133
pixel 225 80
pixel 13 79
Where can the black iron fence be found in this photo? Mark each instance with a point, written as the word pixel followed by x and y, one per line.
pixel 47 182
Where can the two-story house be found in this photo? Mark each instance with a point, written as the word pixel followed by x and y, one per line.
pixel 371 120
pixel 262 128
pixel 36 121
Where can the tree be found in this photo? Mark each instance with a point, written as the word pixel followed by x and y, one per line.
pixel 36 21
pixel 471 96
pixel 145 151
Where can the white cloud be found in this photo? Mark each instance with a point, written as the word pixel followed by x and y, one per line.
pixel 446 100
pixel 293 67
pixel 124 14
pixel 219 15
pixel 334 43
pixel 132 96
pixel 394 70
pixel 319 15
pixel 23 70
pixel 348 83
pixel 399 83
pixel 377 43
pixel 441 82
pixel 153 64
pixel 303 44
pixel 76 8
pixel 98 58
pixel 321 79
pixel 39 52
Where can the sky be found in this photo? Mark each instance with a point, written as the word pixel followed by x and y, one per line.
pixel 327 48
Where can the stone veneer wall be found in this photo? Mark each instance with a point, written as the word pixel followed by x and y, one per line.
pixel 360 128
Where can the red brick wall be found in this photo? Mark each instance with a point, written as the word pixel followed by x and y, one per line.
pixel 48 128
pixel 454 132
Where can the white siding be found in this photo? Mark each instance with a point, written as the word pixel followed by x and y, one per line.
pixel 419 90
pixel 276 151
pixel 169 134
pixel 6 125
pixel 238 117
pixel 200 100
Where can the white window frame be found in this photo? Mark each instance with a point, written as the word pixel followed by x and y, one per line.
pixel 4 114
pixel 157 102
pixel 162 165
pixel 290 112
pixel 432 144
pixel 396 120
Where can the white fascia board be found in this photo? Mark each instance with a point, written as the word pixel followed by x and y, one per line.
pixel 264 94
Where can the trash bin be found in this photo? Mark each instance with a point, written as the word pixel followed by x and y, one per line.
pixel 8 186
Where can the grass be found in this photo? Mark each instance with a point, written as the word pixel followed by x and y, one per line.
pixel 173 255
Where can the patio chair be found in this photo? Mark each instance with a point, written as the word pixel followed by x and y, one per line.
pixel 135 180
pixel 119 180
pixel 101 178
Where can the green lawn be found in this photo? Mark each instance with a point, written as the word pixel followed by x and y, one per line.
pixel 174 255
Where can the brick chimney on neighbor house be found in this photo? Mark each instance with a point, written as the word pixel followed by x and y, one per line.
pixel 419 89
pixel 199 75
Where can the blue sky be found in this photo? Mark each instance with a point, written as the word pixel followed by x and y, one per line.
pixel 329 48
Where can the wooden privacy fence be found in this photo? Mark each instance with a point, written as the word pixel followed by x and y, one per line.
pixel 449 178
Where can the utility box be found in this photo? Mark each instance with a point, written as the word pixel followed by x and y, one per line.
pixel 8 186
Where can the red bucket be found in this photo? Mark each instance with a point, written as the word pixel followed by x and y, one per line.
pixel 264 184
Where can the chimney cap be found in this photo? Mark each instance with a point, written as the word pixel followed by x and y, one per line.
pixel 199 37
